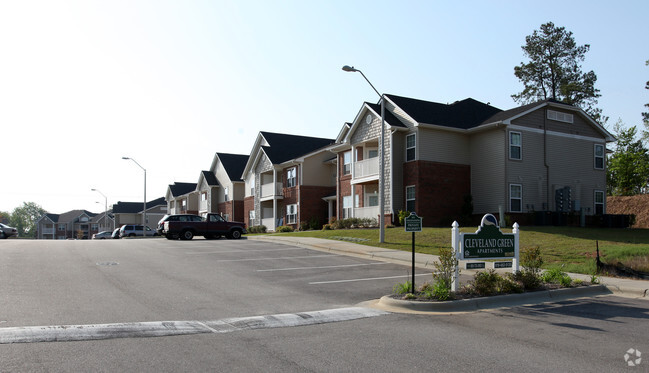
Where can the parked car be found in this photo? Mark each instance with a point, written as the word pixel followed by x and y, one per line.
pixel 132 230
pixel 102 235
pixel 214 226
pixel 7 231
pixel 178 217
pixel 115 234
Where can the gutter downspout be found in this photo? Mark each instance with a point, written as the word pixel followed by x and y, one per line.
pixel 545 160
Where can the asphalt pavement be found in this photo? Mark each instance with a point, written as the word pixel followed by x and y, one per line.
pixel 608 285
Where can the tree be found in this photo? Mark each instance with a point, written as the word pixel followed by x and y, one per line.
pixel 24 218
pixel 4 217
pixel 628 167
pixel 554 71
pixel 645 115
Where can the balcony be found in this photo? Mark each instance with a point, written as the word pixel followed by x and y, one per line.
pixel 366 170
pixel 270 191
pixel 367 212
pixel 48 230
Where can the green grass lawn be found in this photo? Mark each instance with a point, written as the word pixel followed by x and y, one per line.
pixel 571 248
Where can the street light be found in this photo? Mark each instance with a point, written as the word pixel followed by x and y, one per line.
pixel 381 156
pixel 105 207
pixel 144 205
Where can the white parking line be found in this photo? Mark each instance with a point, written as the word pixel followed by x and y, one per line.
pixel 241 251
pixel 321 267
pixel 366 279
pixel 282 258
pixel 68 333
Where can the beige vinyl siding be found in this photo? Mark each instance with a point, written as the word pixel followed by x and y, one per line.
pixel 488 152
pixel 316 172
pixel 442 146
pixel 580 126
pixel 224 182
pixel 528 172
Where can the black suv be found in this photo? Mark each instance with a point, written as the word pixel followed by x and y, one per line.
pixel 179 217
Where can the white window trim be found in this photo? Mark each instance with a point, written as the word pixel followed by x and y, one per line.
pixel 347 211
pixel 595 203
pixel 595 157
pixel 518 198
pixel 410 199
pixel 520 147
pixel 350 162
pixel 412 147
pixel 288 177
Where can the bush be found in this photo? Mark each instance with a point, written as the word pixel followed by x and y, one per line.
pixel 556 276
pixel 326 227
pixel 284 228
pixel 304 226
pixel 257 229
pixel 528 280
pixel 445 268
pixel 490 283
pixel 402 288
pixel 442 292
pixel 402 215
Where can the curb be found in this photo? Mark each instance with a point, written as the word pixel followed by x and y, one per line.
pixel 629 292
pixel 498 301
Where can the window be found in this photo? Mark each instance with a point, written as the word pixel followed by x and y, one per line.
pixel 599 202
pixel 204 196
pixel 559 116
pixel 371 193
pixel 214 218
pixel 95 227
pixel 347 163
pixel 251 218
pixel 347 207
pixel 599 156
pixel 410 198
pixel 372 153
pixel 252 191
pixel 290 177
pixel 411 146
pixel 61 227
pixel 291 214
pixel 515 198
pixel 515 147
pixel 225 194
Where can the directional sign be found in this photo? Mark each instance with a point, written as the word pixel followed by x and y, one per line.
pixel 412 223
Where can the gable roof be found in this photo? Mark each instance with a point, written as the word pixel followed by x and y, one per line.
pixel 508 115
pixel 178 189
pixel 283 147
pixel 69 216
pixel 209 177
pixel 234 164
pixel 390 118
pixel 136 207
pixel 464 114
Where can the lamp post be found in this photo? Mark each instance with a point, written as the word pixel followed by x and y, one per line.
pixel 144 205
pixel 381 156
pixel 105 208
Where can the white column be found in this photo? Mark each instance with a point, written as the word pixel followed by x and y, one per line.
pixel 515 261
pixel 455 241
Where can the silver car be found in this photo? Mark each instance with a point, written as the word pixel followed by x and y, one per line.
pixel 7 231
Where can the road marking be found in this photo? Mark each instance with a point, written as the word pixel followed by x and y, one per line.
pixel 282 258
pixel 240 251
pixel 69 333
pixel 366 279
pixel 321 267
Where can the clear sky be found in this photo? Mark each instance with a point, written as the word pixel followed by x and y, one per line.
pixel 170 83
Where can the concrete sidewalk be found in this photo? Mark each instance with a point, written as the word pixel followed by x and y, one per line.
pixel 618 286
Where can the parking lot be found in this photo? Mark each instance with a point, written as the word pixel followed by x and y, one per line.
pixel 88 282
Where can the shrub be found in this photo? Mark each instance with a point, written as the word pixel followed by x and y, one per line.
pixel 257 229
pixel 486 282
pixel 445 268
pixel 284 228
pixel 556 276
pixel 314 223
pixel 402 288
pixel 402 215
pixel 326 227
pixel 527 279
pixel 531 260
pixel 442 292
pixel 304 226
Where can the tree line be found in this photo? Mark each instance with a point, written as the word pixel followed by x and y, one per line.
pixel 23 218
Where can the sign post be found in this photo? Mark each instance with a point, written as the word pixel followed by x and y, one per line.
pixel 413 224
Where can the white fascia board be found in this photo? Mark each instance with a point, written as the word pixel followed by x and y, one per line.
pixel 405 112
pixel 254 152
pixel 343 132
pixel 555 133
pixel 485 127
pixel 609 137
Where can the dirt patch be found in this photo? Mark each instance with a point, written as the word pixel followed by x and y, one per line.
pixel 637 205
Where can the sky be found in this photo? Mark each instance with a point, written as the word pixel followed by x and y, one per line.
pixel 170 83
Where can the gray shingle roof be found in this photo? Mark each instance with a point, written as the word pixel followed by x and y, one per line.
pixel 178 189
pixel 283 147
pixel 210 178
pixel 234 164
pixel 464 114
pixel 136 207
